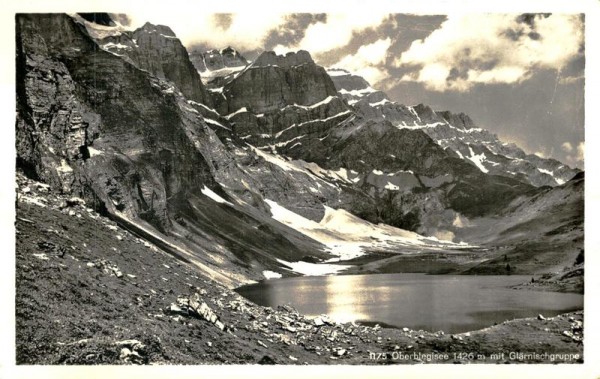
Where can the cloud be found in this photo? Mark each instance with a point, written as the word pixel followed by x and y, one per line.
pixel 292 31
pixel 368 61
pixel 567 147
pixel 577 159
pixel 240 30
pixel 335 31
pixel 491 48
pixel 581 151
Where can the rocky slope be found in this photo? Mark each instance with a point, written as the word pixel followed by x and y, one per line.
pixel 271 82
pixel 540 235
pixel 397 176
pixel 214 60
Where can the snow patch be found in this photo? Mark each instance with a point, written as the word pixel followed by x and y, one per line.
pixel 93 152
pixel 358 92
pixel 313 269
pixel 271 274
pixel 213 122
pixel 325 119
pixel 98 31
pixel 347 236
pixel 112 45
pixel 315 105
pixel 64 167
pixel 391 187
pixel 414 113
pixel 225 71
pixel 216 90
pixel 192 102
pixel 380 103
pixel 458 222
pixel 337 72
pixel 551 173
pixel 478 159
pixel 241 110
pixel 208 192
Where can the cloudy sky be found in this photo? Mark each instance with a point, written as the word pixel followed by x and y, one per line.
pixel 520 76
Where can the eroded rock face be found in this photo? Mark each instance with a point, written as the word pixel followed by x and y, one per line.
pixel 272 82
pixel 55 128
pixel 143 148
pixel 156 49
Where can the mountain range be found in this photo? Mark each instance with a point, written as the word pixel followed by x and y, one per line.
pixel 277 166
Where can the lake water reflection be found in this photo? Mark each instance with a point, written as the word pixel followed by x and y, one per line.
pixel 453 304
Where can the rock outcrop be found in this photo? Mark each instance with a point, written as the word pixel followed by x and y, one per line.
pixel 398 169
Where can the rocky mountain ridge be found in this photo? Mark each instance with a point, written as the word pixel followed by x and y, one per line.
pixel 455 132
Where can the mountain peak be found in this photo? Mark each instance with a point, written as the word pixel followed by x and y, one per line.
pixel 224 61
pixel 98 18
pixel 162 29
pixel 229 51
pixel 290 59
pixel 459 120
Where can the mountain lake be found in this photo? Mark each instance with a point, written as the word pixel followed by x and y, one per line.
pixel 450 303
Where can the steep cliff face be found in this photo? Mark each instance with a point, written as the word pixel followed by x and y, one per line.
pixel 96 126
pixel 272 82
pixel 53 127
pixel 156 49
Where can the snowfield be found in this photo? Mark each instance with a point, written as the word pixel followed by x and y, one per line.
pixel 347 237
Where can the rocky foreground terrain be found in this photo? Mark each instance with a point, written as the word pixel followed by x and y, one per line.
pixel 91 292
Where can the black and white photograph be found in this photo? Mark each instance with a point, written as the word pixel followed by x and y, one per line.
pixel 357 187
